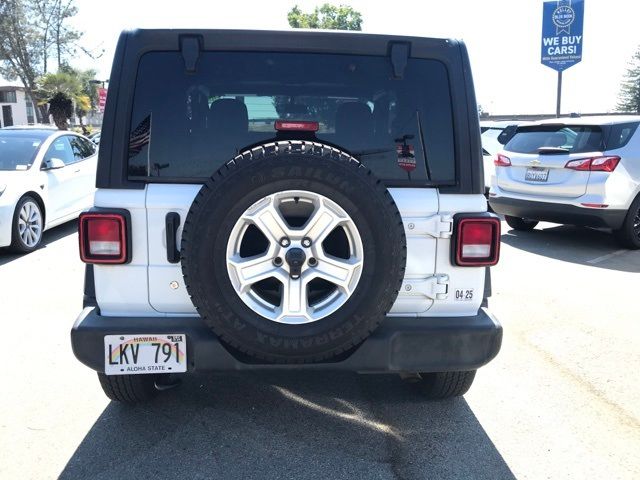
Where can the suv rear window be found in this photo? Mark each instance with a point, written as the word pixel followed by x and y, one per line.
pixel 572 138
pixel 185 125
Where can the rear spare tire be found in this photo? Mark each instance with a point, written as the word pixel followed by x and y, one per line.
pixel 293 252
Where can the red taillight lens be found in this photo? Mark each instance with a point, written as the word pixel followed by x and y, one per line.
pixel 477 241
pixel 103 238
pixel 582 164
pixel 502 161
pixel 296 126
pixel 595 164
pixel 604 164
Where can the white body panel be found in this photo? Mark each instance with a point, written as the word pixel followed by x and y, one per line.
pixel 123 289
pixel 64 192
pixel 147 286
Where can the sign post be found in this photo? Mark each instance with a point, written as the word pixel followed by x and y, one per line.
pixel 562 22
pixel 102 98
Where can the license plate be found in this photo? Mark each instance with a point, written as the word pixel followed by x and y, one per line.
pixel 537 174
pixel 139 354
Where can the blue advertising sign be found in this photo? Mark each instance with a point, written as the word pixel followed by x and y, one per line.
pixel 562 33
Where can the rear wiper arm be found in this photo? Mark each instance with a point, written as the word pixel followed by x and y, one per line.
pixel 552 150
pixel 374 151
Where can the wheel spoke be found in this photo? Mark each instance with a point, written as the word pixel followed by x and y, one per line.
pixel 322 222
pixel 294 298
pixel 268 220
pixel 251 270
pixel 24 215
pixel 335 270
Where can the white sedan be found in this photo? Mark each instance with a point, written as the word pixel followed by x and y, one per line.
pixel 47 177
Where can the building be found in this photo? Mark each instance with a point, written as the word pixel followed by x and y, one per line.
pixel 15 107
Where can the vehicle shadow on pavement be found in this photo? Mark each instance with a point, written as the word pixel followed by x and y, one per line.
pixel 289 425
pixel 48 237
pixel 585 246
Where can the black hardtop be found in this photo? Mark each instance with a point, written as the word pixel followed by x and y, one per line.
pixel 294 40
pixel 133 44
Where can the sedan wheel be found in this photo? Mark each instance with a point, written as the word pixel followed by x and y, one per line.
pixel 27 226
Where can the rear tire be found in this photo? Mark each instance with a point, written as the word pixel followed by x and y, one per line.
pixel 629 234
pixel 443 385
pixel 26 233
pixel 129 389
pixel 520 224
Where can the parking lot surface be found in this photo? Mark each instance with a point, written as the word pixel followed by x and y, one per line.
pixel 560 400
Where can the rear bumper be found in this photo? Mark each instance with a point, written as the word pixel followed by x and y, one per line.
pixel 558 212
pixel 401 344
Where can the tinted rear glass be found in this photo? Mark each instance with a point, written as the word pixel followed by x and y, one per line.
pixel 573 139
pixel 618 135
pixel 187 125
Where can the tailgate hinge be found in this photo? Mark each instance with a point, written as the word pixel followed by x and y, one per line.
pixel 435 288
pixel 437 226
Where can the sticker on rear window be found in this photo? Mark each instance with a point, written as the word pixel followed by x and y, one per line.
pixel 406 154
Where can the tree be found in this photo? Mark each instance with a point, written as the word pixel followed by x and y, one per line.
pixel 629 96
pixel 61 109
pixel 61 90
pixel 21 52
pixel 327 16
pixel 29 30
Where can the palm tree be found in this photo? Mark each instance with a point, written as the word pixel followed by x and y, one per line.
pixel 61 90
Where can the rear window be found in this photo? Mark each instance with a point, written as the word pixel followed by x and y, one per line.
pixel 561 138
pixel 187 125
pixel 573 139
pixel 619 135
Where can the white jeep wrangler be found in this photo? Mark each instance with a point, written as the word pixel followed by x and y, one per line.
pixel 287 200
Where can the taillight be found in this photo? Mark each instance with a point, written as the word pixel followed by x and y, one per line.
pixel 604 164
pixel 296 126
pixel 103 238
pixel 595 164
pixel 582 164
pixel 502 161
pixel 477 240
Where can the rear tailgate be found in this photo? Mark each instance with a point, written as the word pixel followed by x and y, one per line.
pixel 544 175
pixel 539 155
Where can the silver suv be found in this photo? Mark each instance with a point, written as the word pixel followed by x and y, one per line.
pixel 580 171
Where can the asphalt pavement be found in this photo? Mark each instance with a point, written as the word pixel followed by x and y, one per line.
pixel 561 400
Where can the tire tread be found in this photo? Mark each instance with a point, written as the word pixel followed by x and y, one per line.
pixel 443 385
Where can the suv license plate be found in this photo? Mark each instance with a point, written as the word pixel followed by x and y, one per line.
pixel 537 174
pixel 138 354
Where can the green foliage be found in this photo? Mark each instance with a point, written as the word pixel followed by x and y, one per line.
pixel 75 86
pixel 31 31
pixel 61 82
pixel 629 96
pixel 329 17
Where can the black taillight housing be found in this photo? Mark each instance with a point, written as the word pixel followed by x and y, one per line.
pixel 105 236
pixel 475 239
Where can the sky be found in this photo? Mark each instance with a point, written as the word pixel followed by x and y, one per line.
pixel 503 38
